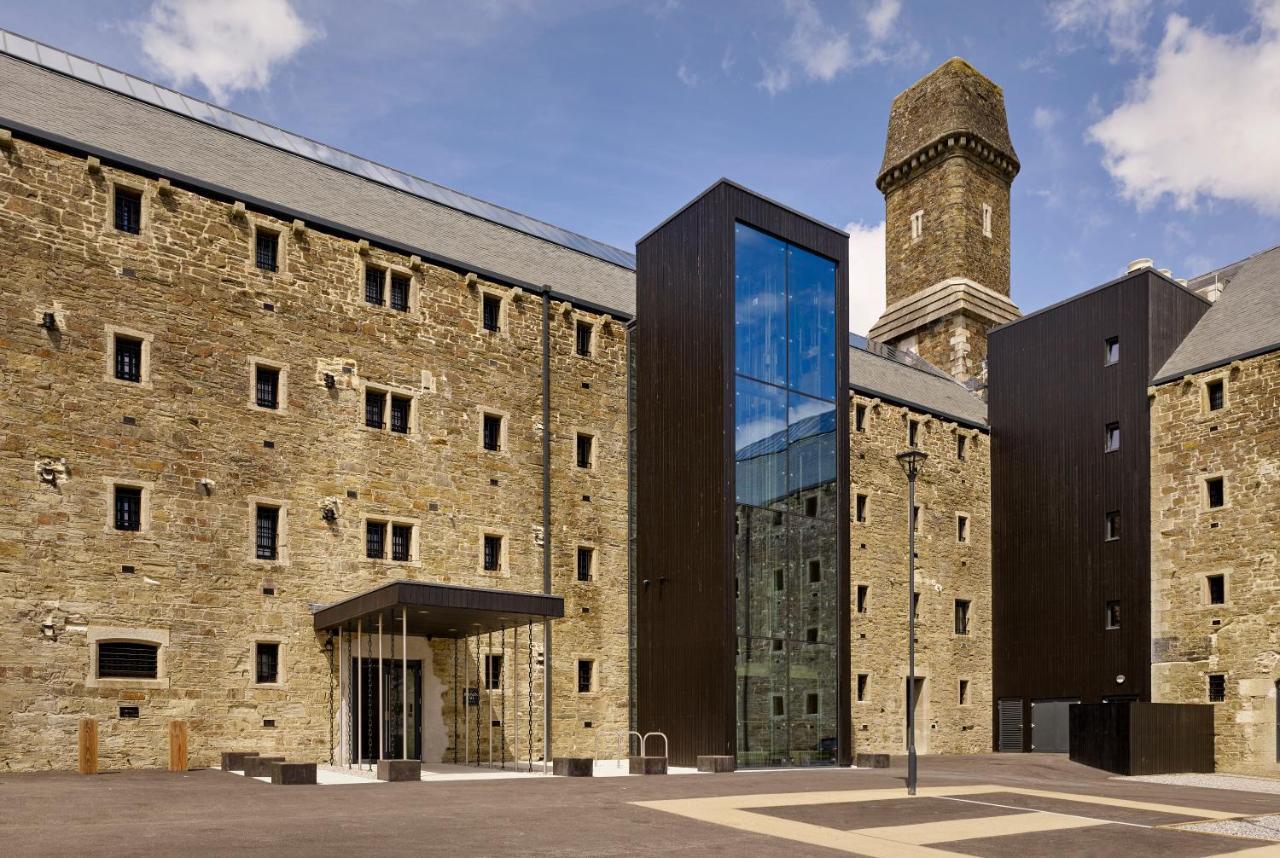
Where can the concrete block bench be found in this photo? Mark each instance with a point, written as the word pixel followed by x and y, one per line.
pixel 716 763
pixel 399 770
pixel 648 765
pixel 293 773
pixel 573 767
pixel 871 761
pixel 233 761
pixel 258 766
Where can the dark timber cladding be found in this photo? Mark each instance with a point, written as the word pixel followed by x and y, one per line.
pixel 1052 395
pixel 685 611
pixel 442 610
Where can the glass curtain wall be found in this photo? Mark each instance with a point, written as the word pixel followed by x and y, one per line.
pixel 785 529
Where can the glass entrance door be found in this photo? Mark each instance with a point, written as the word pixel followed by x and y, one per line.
pixel 369 734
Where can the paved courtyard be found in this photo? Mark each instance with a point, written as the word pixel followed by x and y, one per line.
pixel 1012 805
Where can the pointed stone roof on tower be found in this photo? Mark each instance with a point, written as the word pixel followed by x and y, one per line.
pixel 952 100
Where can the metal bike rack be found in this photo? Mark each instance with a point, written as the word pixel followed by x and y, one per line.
pixel 644 743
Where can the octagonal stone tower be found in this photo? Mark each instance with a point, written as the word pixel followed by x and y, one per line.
pixel 947 172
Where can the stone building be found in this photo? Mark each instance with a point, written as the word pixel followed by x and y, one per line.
pixel 264 382
pixel 1215 515
pixel 947 171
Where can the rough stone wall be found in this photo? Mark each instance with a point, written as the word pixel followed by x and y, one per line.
pixel 188 283
pixel 956 344
pixel 952 243
pixel 946 570
pixel 1192 638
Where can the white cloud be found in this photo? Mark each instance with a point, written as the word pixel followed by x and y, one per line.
pixel 1045 118
pixel 815 48
pixel 1204 121
pixel 866 275
pixel 228 46
pixel 687 77
pixel 881 17
pixel 1121 22
pixel 775 79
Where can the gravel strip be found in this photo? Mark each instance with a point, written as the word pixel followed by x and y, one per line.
pixel 1257 828
pixel 1239 783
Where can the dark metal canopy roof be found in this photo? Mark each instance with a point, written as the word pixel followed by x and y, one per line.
pixel 440 610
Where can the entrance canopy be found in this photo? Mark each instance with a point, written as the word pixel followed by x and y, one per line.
pixel 442 610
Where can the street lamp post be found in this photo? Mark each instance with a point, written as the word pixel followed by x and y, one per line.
pixel 912 461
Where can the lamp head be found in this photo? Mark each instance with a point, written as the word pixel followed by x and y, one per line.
pixel 912 461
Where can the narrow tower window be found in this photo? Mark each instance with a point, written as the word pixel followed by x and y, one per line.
pixel 986 220
pixel 917 225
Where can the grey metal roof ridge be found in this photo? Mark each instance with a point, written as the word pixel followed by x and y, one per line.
pixel 585 245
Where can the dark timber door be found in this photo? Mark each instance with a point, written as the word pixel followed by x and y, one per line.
pixel 1051 726
pixel 1010 738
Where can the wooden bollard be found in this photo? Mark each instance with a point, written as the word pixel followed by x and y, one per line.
pixel 177 746
pixel 88 750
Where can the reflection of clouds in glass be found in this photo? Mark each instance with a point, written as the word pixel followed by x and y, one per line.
pixel 802 407
pixel 757 430
pixel 760 305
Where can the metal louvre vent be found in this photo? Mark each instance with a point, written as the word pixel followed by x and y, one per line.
pixel 127 660
pixel 1010 738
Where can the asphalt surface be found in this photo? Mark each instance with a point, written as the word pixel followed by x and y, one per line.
pixel 209 812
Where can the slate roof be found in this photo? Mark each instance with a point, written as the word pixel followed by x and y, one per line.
pixel 877 371
pixel 1243 322
pixel 57 96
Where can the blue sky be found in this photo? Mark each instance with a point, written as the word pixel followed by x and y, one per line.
pixel 1144 128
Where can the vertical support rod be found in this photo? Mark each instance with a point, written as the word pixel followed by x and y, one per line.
pixel 455 701
pixel 466 706
pixel 478 687
pixel 382 700
pixel 488 691
pixel 404 684
pixel 911 632
pixel 529 665
pixel 359 748
pixel 502 690
pixel 515 689
pixel 546 696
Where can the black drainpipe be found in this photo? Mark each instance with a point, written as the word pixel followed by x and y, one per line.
pixel 546 518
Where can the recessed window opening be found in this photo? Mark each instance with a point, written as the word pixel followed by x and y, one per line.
pixel 1113 614
pixel 1217 589
pixel 862 687
pixel 962 616
pixel 128 210
pixel 492 432
pixel 779 706
pixel 961 442
pixel 266 387
pixel 582 338
pixel 492 553
pixel 860 509
pixel 1112 526
pixel 917 225
pixel 492 312
pixel 815 571
pixel 586 562
pixel 1112 439
pixel 375 540
pixel 1217 687
pixel 400 292
pixel 586 671
pixel 862 598
pixel 401 542
pixel 986 220
pixel 776 644
pixel 266 533
pixel 401 407
pixel 811 634
pixel 913 433
pixel 265 249
pixel 1215 492
pixel 860 418
pixel 811 703
pixel 374 280
pixel 585 451
pixel 962 528
pixel 375 405
pixel 128 362
pixel 915 605
pixel 128 660
pixel 492 671
pixel 268 662
pixel 811 506
pixel 1112 350
pixel 128 504
pixel 964 692
pixel 1215 394
pixel 779 581
pixel 915 518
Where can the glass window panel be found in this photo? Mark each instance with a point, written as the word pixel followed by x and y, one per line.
pixel 811 458
pixel 761 703
pixel 811 734
pixel 760 443
pixel 812 540
pixel 811 306
pixel 760 305
pixel 760 549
